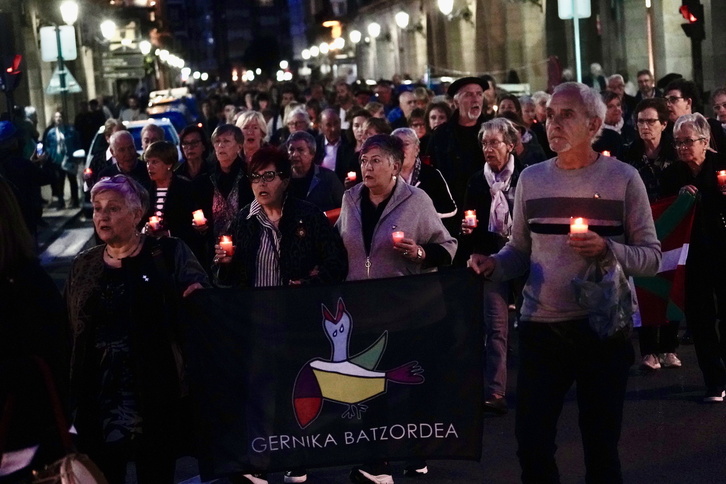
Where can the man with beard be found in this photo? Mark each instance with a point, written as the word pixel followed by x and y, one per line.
pixel 344 100
pixel 454 148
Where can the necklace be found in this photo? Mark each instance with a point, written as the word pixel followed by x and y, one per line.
pixel 138 244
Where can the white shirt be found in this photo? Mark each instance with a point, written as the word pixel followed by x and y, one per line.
pixel 331 154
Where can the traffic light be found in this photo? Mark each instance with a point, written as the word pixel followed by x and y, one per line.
pixel 11 73
pixel 692 11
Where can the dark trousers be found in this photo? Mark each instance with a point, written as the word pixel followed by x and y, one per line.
pixel 705 302
pixel 155 464
pixel 658 339
pixel 553 356
pixel 58 187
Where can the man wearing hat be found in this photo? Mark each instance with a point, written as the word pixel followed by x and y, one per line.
pixel 454 147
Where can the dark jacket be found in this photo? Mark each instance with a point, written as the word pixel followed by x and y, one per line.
pixel 345 158
pixel 650 170
pixel 138 173
pixel 612 141
pixel 325 190
pixel 308 242
pixel 432 182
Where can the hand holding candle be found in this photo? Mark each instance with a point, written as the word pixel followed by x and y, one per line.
pixel 470 218
pixel 352 176
pixel 721 176
pixel 87 173
pixel 578 226
pixel 225 242
pixel 154 222
pixel 397 237
pixel 198 218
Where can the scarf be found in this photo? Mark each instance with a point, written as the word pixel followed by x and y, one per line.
pixel 225 209
pixel 415 172
pixel 617 128
pixel 500 219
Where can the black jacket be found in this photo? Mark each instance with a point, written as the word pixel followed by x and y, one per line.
pixel 345 158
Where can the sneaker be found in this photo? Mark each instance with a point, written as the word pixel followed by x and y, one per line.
pixel 295 475
pixel 714 395
pixel 379 474
pixel 650 362
pixel 670 360
pixel 415 470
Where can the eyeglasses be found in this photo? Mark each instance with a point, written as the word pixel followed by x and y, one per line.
pixel 685 143
pixel 191 144
pixel 648 122
pixel 493 144
pixel 267 176
pixel 673 99
pixel 417 125
pixel 297 123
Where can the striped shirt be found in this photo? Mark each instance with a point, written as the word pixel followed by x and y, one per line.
pixel 268 253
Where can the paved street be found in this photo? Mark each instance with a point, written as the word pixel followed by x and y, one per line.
pixel 668 435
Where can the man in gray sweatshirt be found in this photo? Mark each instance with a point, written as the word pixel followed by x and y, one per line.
pixel 557 345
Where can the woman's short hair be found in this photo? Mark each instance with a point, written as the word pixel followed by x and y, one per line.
pixel 608 96
pixel 379 124
pixel 422 94
pixel 16 243
pixel 195 128
pixel 298 112
pixel 406 133
pixel 658 103
pixel 228 129
pixel 248 116
pixel 526 100
pixel 135 196
pixel 391 146
pixel 443 107
pixel 270 155
pixel 373 107
pixel 509 132
pixel 540 96
pixel 112 125
pixel 163 150
pixel 697 122
pixel 303 136
pixel 416 113
pixel 515 101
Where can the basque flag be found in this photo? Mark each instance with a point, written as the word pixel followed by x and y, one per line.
pixel 342 374
pixel 661 298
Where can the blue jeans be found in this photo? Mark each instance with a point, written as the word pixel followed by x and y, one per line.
pixel 553 356
pixel 496 326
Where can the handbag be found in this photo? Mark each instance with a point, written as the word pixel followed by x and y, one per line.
pixel 606 295
pixel 73 468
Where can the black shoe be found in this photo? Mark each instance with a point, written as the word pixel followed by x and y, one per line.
pixel 75 204
pixel 295 475
pixel 496 405
pixel 60 205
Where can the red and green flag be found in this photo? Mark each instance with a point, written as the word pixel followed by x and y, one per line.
pixel 661 298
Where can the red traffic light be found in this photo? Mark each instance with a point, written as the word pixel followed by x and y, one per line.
pixel 687 14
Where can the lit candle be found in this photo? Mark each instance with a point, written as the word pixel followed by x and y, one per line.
pixel 154 222
pixel 225 242
pixel 578 225
pixel 606 153
pixel 198 218
pixel 87 171
pixel 721 175
pixel 397 237
pixel 470 218
pixel 352 176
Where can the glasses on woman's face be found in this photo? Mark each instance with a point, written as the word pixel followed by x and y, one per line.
pixel 191 144
pixel 647 122
pixel 673 99
pixel 493 144
pixel 267 176
pixel 686 143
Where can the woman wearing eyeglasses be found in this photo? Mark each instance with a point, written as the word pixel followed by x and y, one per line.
pixel 696 172
pixel 123 300
pixel 650 154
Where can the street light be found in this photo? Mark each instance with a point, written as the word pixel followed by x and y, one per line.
pixel 374 29
pixel 145 47
pixel 446 6
pixel 338 43
pixel 324 48
pixel 314 51
pixel 402 19
pixel 284 64
pixel 355 36
pixel 108 29
pixel 69 12
pixel 305 54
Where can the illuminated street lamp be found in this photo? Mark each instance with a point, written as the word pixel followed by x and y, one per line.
pixel 324 48
pixel 446 6
pixel 108 29
pixel 374 29
pixel 69 12
pixel 314 51
pixel 338 43
pixel 284 64
pixel 145 47
pixel 305 54
pixel 402 19
pixel 355 36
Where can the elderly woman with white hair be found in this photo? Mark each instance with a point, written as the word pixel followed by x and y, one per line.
pixel 296 119
pixel 254 132
pixel 423 176
pixel 490 193
pixel 124 301
pixel 697 172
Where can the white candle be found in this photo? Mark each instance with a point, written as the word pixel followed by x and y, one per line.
pixel 198 218
pixel 578 225
pixel 470 218
pixel 352 176
pixel 397 237
pixel 225 242
pixel 154 222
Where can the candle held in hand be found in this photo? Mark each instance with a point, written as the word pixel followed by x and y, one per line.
pixel 397 237
pixel 352 176
pixel 225 242
pixel 470 218
pixel 721 176
pixel 198 218
pixel 578 226
pixel 154 222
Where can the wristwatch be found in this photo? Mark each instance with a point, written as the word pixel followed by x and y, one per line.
pixel 419 253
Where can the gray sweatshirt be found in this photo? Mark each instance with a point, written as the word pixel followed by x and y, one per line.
pixel 610 195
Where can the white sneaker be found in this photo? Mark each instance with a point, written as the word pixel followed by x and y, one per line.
pixel 714 396
pixel 670 360
pixel 256 478
pixel 650 362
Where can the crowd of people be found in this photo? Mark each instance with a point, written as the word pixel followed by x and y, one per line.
pixel 289 187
